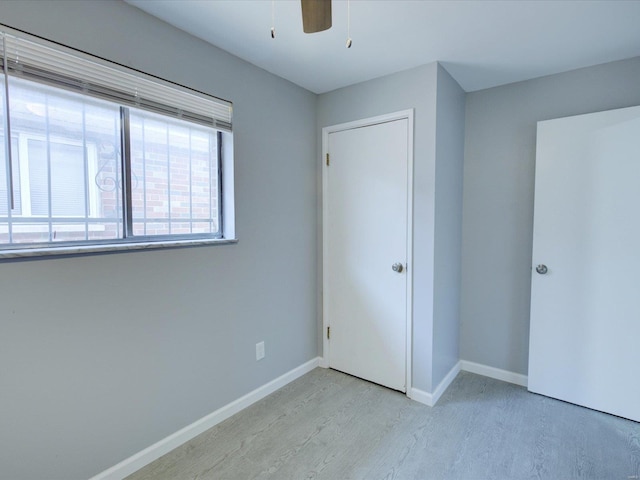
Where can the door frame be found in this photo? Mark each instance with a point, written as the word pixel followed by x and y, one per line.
pixel 365 122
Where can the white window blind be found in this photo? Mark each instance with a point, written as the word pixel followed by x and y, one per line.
pixel 65 68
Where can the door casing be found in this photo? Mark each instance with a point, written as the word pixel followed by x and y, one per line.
pixel 404 114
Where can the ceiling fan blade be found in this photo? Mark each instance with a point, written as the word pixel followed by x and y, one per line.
pixel 316 15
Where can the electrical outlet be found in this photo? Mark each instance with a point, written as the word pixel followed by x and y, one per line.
pixel 259 351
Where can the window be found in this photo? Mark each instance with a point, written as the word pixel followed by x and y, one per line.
pixel 175 177
pixel 63 166
pixel 94 157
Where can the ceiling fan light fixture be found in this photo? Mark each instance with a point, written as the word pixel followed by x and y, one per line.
pixel 316 15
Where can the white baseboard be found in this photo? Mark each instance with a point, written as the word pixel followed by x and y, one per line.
pixel 164 446
pixel 492 372
pixel 324 363
pixel 446 381
pixel 421 396
pixel 430 399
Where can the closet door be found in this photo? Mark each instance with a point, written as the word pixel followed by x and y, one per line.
pixel 365 240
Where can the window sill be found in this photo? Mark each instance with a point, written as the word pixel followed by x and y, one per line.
pixel 108 248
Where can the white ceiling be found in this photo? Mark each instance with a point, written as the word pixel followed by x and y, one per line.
pixel 481 43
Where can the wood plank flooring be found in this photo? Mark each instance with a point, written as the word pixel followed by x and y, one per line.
pixel 328 425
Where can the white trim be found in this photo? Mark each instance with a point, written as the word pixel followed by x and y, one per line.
pixel 409 116
pixel 445 382
pixel 492 372
pixel 409 265
pixel 325 248
pixel 228 196
pixel 155 451
pixel 324 362
pixel 431 399
pixel 421 396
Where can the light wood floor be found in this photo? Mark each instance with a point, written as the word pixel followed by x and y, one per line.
pixel 327 425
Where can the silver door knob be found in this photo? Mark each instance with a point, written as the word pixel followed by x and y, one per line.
pixel 542 269
pixel 396 267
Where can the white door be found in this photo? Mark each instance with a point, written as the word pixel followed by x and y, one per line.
pixel 585 310
pixel 366 215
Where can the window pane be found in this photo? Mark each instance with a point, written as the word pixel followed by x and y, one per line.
pixel 3 163
pixel 66 165
pixel 5 197
pixel 67 178
pixel 202 227
pixel 5 192
pixel 174 176
pixel 30 233
pixel 204 179
pixel 38 177
pixel 181 228
pixel 179 174
pixel 4 186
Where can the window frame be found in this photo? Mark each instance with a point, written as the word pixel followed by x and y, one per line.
pixel 126 240
pixel 129 220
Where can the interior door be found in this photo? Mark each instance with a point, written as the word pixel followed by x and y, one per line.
pixel 366 251
pixel 585 298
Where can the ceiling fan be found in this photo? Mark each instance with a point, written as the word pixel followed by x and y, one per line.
pixel 316 15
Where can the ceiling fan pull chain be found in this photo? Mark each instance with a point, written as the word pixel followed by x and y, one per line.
pixel 349 24
pixel 273 23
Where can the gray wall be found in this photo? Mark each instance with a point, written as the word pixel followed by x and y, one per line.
pixel 101 356
pixel 417 89
pixel 498 199
pixel 448 224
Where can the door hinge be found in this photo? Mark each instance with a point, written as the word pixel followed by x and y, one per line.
pixel 328 333
pixel 327 159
